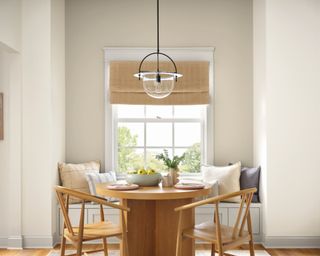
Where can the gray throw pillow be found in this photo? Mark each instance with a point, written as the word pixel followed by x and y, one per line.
pixel 249 178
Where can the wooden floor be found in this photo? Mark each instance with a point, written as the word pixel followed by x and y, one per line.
pixel 273 252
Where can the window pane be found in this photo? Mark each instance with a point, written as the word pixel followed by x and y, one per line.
pixel 186 134
pixel 130 111
pixel 130 134
pixel 152 162
pixel 159 134
pixel 132 137
pixel 130 159
pixel 193 111
pixel 192 159
pixel 159 112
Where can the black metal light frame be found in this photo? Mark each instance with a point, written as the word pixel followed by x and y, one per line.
pixel 158 72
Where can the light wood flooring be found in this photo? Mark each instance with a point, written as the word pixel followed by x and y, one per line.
pixel 273 252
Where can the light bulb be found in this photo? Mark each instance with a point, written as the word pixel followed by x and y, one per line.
pixel 158 85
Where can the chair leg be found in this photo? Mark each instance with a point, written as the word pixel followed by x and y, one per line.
pixel 63 246
pixel 251 246
pixel 220 250
pixel 213 249
pixel 79 248
pixel 105 246
pixel 179 245
pixel 126 249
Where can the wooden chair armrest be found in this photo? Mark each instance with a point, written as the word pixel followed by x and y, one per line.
pixel 215 199
pixel 91 198
pixel 195 204
pixel 103 201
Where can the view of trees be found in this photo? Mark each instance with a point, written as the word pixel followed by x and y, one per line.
pixel 130 158
pixel 192 160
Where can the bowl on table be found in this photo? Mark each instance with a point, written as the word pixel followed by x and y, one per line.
pixel 146 180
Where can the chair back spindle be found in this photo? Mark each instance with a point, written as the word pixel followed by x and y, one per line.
pixel 101 213
pixel 89 231
pixel 222 237
pixel 64 204
pixel 237 223
pixel 248 197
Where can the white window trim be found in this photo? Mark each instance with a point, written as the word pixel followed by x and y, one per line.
pixel 173 121
pixel 178 54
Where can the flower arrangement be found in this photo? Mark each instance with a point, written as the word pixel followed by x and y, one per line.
pixel 170 163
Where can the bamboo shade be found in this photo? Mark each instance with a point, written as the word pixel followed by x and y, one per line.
pixel 192 88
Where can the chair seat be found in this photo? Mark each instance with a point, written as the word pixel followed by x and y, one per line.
pixel 96 230
pixel 207 231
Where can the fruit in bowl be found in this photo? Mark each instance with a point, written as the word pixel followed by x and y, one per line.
pixel 143 177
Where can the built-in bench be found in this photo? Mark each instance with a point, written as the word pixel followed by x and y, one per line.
pixel 228 212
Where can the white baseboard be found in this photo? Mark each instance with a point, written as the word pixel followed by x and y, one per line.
pixel 20 242
pixel 3 242
pixel 268 242
pixel 15 242
pixel 291 241
pixel 38 242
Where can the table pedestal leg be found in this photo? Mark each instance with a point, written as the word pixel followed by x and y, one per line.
pixel 167 226
pixel 141 227
pixel 152 227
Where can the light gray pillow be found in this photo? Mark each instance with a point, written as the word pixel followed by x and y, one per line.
pixel 214 188
pixel 227 176
pixel 96 178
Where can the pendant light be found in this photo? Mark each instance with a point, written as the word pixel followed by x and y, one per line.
pixel 158 84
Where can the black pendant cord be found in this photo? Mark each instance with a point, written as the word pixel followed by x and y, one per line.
pixel 158 51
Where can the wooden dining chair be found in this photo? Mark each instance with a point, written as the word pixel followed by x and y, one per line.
pixel 221 237
pixel 87 232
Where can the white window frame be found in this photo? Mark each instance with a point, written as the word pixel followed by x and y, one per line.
pixel 202 120
pixel 178 54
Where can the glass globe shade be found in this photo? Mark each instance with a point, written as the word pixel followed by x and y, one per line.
pixel 158 87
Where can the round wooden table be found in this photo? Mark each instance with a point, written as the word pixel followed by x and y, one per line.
pixel 152 222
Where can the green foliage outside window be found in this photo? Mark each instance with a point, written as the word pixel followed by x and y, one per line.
pixel 129 158
pixel 192 159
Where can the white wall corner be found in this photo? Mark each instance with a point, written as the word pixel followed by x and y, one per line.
pixel 56 238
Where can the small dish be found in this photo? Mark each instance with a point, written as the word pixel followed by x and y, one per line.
pixel 189 186
pixel 123 186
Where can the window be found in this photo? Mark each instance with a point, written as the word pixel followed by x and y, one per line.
pixel 140 149
pixel 143 131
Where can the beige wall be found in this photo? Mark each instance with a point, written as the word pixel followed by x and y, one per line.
pixel 33 80
pixel 293 110
pixel 10 24
pixel 58 95
pixel 224 24
pixel 287 121
pixel 10 147
pixel 259 98
pixel 37 118
pixel 43 115
pixel 4 144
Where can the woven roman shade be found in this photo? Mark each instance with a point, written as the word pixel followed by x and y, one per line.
pixel 192 88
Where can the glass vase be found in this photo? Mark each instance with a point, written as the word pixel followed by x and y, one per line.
pixel 173 172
